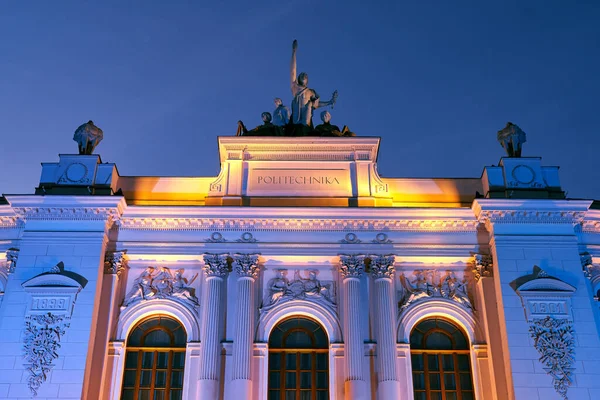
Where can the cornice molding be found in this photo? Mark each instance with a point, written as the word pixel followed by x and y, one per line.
pixel 297 224
pixel 79 208
pixel 506 211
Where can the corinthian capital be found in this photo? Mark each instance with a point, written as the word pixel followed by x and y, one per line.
pixel 115 262
pixel 216 264
pixel 352 265
pixel 483 266
pixel 12 255
pixel 246 265
pixel 382 266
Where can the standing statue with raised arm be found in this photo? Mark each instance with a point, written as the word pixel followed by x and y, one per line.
pixel 305 99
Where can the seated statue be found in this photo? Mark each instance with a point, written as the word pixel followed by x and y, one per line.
pixel 281 115
pixel 512 139
pixel 328 129
pixel 88 136
pixel 266 129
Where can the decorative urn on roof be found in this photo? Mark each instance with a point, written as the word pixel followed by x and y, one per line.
pixel 88 136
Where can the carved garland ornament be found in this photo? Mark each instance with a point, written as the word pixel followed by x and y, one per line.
pixel 42 341
pixel 553 339
pixel 50 301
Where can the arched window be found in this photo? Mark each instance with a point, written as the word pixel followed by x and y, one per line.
pixel 154 360
pixel 440 361
pixel 298 361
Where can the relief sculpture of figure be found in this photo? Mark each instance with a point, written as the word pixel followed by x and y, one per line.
pixel 182 289
pixel 88 136
pixel 142 288
pixel 278 288
pixel 163 282
pixel 305 99
pixel 313 287
pixel 457 290
pixel 512 139
pixel 417 289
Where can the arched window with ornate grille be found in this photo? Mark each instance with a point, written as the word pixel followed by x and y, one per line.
pixel 154 360
pixel 298 361
pixel 441 363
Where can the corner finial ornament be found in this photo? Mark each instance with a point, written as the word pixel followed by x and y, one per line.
pixel 511 138
pixel 88 136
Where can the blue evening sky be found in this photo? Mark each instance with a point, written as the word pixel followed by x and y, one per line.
pixel 435 79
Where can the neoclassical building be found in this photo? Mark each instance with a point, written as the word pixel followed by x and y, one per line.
pixel 299 273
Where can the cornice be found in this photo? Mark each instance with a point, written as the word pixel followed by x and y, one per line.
pixel 8 218
pixel 518 211
pixel 220 219
pixel 87 208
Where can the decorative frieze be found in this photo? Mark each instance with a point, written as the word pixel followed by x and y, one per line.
pixel 280 289
pixel 350 238
pixel 50 300
pixel 161 283
pixel 298 224
pixel 246 265
pixel 382 266
pixel 482 266
pixel 115 262
pixel 433 283
pixel 352 265
pixel 216 264
pixel 109 214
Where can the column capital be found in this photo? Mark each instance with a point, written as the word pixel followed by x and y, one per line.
pixel 12 255
pixel 382 266
pixel 115 262
pixel 482 266
pixel 216 264
pixel 352 265
pixel 246 265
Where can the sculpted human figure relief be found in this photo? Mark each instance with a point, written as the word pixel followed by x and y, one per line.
pixel 310 288
pixel 429 283
pixel 88 136
pixel 305 100
pixel 162 284
pixel 142 288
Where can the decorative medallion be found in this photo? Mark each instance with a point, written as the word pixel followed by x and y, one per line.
pixel 350 238
pixel 381 238
pixel 246 237
pixel 216 237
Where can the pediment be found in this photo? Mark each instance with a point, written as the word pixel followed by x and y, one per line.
pixel 56 278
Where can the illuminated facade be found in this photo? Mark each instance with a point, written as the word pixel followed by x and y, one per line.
pixel 299 273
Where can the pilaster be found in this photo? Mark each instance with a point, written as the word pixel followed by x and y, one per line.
pixel 382 271
pixel 246 268
pixel 216 268
pixel 351 269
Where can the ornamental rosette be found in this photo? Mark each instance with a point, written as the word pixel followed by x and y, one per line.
pixel 246 265
pixel 382 266
pixel 216 264
pixel 352 265
pixel 554 340
pixel 42 341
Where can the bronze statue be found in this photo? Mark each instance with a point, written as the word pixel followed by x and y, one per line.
pixel 512 139
pixel 88 136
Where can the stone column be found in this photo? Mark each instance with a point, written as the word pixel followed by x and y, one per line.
pixel 382 271
pixel 351 269
pixel 216 269
pixel 247 270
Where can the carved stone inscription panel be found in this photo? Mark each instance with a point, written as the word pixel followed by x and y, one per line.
pixel 324 182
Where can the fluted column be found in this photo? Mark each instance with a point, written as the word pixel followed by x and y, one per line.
pixel 382 271
pixel 246 267
pixel 351 269
pixel 216 269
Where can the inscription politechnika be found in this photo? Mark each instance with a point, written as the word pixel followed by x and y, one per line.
pixel 298 180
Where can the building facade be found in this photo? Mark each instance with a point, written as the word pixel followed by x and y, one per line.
pixel 299 273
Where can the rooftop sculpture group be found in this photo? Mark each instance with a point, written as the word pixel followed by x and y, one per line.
pixel 298 122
